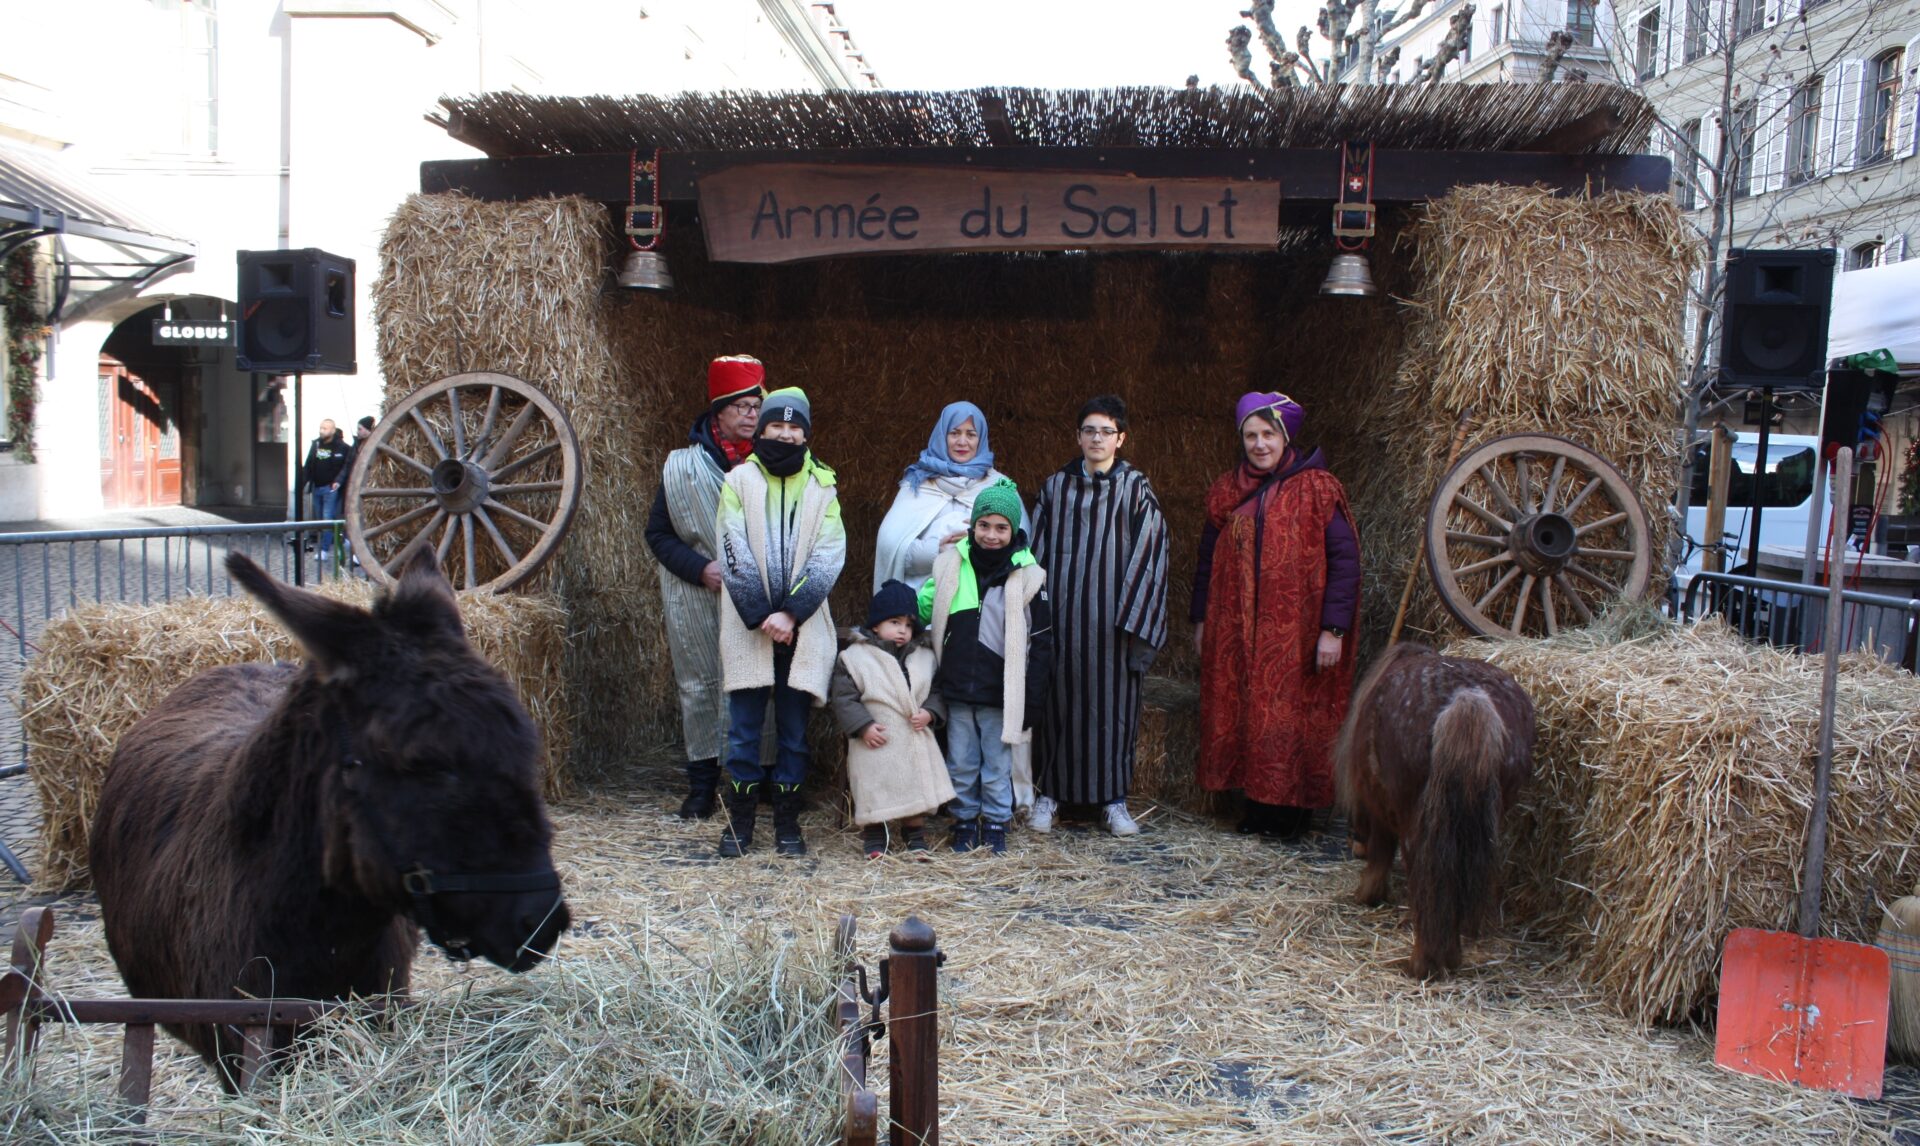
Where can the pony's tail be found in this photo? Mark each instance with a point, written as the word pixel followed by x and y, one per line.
pixel 1454 867
pixel 1344 747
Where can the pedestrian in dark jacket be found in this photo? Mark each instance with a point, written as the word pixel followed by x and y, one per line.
pixel 993 635
pixel 326 472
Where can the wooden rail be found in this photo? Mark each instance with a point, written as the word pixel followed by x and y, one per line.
pixel 910 988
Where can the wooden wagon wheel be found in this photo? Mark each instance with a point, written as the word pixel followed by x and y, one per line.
pixel 482 467
pixel 1531 533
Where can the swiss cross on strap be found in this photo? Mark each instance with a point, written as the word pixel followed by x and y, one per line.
pixel 1353 214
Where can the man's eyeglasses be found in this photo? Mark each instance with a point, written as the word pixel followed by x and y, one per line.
pixel 1099 433
pixel 745 409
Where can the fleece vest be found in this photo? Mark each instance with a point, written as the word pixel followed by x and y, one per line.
pixel 951 588
pixel 906 776
pixel 746 655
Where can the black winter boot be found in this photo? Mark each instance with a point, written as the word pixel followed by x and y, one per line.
pixel 787 840
pixel 743 803
pixel 703 781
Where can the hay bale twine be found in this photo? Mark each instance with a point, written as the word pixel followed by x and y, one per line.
pixel 102 667
pixel 1900 938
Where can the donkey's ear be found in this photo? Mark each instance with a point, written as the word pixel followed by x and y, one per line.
pixel 423 597
pixel 329 630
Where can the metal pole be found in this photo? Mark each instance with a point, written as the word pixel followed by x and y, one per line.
pixel 293 436
pixel 1751 567
pixel 1814 873
pixel 913 1027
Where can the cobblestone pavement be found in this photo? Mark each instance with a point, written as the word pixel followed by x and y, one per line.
pixel 39 581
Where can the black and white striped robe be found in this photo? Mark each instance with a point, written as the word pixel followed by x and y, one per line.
pixel 1103 543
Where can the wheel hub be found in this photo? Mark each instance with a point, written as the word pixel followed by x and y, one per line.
pixel 1543 543
pixel 460 486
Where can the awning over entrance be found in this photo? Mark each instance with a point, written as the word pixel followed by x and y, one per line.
pixel 100 246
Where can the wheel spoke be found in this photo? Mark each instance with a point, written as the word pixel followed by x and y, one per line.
pixel 433 439
pixel 493 531
pixel 1552 493
pixel 1483 513
pixel 459 431
pixel 505 446
pixel 466 529
pixel 1610 519
pixel 1579 606
pixel 407 551
pixel 527 487
pixel 1585 574
pixel 407 518
pixel 512 514
pixel 1546 608
pixel 518 464
pixel 1523 478
pixel 1580 498
pixel 445 546
pixel 1493 562
pixel 1499 587
pixel 396 492
pixel 409 459
pixel 1466 538
pixel 1520 606
pixel 1499 492
pixel 486 425
pixel 1607 554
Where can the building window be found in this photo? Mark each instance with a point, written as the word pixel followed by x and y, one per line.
pixel 1749 16
pixel 1497 25
pixel 1882 120
pixel 1646 57
pixel 1686 166
pixel 1699 15
pixel 1745 120
pixel 1865 255
pixel 1803 131
pixel 1580 20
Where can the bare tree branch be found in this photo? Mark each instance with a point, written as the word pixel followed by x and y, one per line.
pixel 1383 67
pixel 1459 27
pixel 1557 45
pixel 1405 16
pixel 1304 42
pixel 1240 57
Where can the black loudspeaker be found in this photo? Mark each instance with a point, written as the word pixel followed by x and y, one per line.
pixel 1774 332
pixel 296 312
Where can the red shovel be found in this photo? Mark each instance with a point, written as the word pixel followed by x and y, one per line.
pixel 1799 1008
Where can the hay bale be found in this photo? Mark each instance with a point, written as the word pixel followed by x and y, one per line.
pixel 1169 748
pixel 101 667
pixel 1673 778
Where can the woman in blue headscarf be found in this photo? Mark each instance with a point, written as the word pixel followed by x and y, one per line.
pixel 936 495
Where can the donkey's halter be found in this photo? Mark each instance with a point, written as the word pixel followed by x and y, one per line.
pixel 423 883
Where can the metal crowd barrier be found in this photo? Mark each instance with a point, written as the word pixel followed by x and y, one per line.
pixel 44 574
pixel 1789 615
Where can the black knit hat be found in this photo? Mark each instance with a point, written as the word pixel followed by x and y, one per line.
pixel 894 599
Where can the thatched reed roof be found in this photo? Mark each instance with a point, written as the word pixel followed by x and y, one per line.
pixel 1461 117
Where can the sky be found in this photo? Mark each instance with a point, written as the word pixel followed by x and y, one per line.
pixel 941 44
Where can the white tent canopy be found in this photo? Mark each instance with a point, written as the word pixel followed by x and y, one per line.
pixel 1877 308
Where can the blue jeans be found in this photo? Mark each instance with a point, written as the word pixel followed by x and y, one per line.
pixel 980 764
pixel 747 715
pixel 326 507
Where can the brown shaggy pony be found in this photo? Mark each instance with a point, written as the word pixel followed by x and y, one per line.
pixel 273 830
pixel 1432 753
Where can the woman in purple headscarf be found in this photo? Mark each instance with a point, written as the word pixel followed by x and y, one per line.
pixel 1274 604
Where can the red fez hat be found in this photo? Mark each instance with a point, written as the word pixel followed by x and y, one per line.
pixel 734 376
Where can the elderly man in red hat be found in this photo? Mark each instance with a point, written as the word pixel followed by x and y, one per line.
pixel 681 531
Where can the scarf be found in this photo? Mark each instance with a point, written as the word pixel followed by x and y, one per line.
pixel 736 451
pixel 990 565
pixel 782 459
pixel 934 460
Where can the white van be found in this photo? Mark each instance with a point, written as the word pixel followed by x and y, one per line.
pixel 1786 492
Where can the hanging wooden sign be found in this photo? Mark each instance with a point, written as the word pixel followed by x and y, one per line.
pixel 777 212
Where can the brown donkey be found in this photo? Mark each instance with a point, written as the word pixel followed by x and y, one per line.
pixel 1432 753
pixel 279 830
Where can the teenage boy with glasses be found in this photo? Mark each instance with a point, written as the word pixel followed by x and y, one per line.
pixel 1099 533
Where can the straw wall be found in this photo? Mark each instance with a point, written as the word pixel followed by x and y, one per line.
pixel 102 667
pixel 880 345
pixel 1669 803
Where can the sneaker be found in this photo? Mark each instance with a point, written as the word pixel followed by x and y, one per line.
pixel 1044 809
pixel 966 836
pixel 994 838
pixel 1119 822
pixel 874 840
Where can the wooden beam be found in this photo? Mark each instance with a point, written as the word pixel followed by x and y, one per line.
pixel 1307 176
pixel 463 130
pixel 993 110
pixel 1579 134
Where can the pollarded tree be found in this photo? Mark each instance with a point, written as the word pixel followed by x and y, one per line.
pixel 1356 26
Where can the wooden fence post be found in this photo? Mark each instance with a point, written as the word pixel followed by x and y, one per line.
pixel 913 1026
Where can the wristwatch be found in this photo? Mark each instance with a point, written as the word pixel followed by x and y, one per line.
pixel 1334 629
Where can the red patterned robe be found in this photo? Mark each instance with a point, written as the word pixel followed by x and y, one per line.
pixel 1285 563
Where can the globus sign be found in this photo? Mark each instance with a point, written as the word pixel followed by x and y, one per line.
pixel 193 332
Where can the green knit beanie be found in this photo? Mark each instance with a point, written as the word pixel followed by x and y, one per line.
pixel 1003 498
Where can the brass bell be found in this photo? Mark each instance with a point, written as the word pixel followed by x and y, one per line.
pixel 645 270
pixel 1349 276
